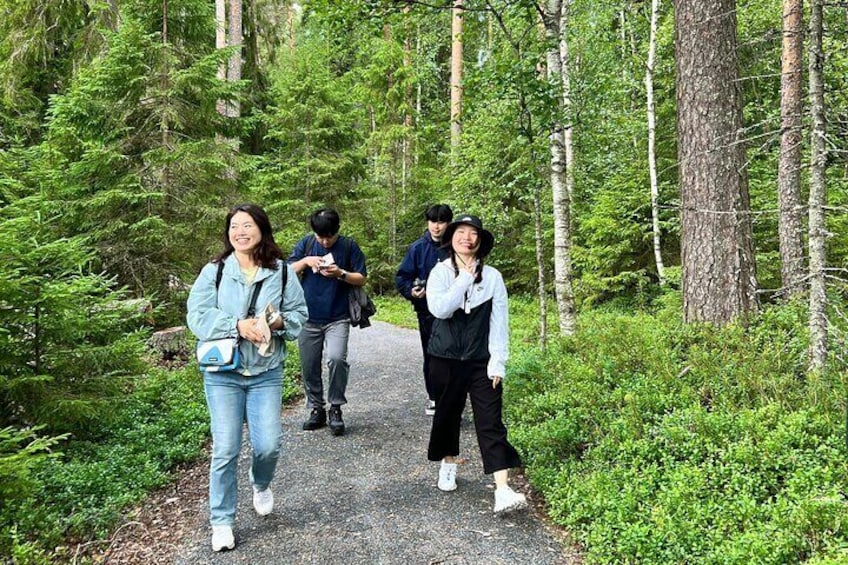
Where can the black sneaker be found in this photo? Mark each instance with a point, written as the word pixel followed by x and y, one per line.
pixel 337 426
pixel 318 419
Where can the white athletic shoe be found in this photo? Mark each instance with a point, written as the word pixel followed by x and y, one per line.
pixel 447 477
pixel 507 500
pixel 222 538
pixel 263 501
pixel 430 410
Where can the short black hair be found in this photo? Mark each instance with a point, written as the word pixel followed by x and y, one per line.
pixel 439 213
pixel 325 222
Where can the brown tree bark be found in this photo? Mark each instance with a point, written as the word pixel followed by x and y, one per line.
pixel 789 169
pixel 719 280
pixel 456 74
pixel 818 194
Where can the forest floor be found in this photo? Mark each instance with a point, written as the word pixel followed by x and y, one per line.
pixel 369 496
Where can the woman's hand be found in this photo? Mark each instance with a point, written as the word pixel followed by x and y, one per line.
pixel 249 330
pixel 495 382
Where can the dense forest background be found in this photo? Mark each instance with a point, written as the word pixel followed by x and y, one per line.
pixel 126 132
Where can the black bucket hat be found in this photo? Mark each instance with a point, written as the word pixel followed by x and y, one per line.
pixel 487 240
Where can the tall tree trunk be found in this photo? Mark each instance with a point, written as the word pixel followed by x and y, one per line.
pixel 540 267
pixel 406 143
pixel 235 63
pixel 719 280
pixel 290 19
pixel 221 43
pixel 818 194
pixel 456 75
pixel 789 168
pixel 652 134
pixel 562 162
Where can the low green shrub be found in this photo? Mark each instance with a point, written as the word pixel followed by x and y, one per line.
pixel 160 424
pixel 658 442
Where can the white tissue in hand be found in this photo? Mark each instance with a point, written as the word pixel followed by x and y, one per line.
pixel 266 348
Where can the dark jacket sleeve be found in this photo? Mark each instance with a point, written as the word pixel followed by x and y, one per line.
pixel 406 274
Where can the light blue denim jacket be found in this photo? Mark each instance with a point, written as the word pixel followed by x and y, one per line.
pixel 213 314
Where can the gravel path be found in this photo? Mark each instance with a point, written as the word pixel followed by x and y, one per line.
pixel 370 496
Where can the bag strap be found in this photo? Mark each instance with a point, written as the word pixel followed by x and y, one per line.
pixel 251 309
pixel 285 276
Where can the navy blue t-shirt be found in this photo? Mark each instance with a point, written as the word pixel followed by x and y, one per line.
pixel 326 297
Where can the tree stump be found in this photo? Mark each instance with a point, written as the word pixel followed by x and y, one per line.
pixel 170 344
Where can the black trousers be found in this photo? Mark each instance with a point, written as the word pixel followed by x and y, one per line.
pixel 425 327
pixel 454 381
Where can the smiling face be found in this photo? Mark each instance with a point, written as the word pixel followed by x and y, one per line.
pixel 436 229
pixel 465 240
pixel 244 233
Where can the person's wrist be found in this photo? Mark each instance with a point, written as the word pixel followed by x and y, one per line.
pixel 343 274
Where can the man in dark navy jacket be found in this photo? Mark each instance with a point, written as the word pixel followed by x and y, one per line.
pixel 412 275
pixel 328 264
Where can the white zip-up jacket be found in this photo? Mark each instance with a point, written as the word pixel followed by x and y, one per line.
pixel 472 319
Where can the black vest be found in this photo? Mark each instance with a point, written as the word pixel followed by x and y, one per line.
pixel 464 337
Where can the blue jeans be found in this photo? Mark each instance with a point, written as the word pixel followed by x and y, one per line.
pixel 232 399
pixel 314 339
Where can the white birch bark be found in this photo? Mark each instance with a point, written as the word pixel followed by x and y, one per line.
pixel 556 25
pixel 652 156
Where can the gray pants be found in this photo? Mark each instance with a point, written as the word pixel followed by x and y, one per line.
pixel 314 339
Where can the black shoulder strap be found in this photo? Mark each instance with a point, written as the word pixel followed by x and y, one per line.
pixel 310 243
pixel 251 309
pixel 219 275
pixel 285 277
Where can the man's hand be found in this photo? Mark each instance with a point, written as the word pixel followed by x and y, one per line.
pixel 420 292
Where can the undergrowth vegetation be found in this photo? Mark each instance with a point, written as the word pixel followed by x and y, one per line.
pixel 652 441
pixel 658 442
pixel 83 491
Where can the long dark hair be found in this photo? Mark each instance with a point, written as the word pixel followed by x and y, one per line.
pixel 478 271
pixel 267 252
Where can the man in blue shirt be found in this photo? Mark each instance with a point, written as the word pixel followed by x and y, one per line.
pixel 412 274
pixel 329 264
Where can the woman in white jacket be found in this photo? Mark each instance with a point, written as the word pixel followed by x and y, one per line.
pixel 469 346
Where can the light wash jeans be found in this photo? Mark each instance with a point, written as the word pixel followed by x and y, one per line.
pixel 232 399
pixel 313 340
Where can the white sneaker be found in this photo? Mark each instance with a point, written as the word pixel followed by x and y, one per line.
pixel 447 476
pixel 263 501
pixel 431 408
pixel 222 538
pixel 507 500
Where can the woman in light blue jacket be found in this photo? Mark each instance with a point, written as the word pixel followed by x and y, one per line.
pixel 217 308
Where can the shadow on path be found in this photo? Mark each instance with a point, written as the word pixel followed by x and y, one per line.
pixel 370 496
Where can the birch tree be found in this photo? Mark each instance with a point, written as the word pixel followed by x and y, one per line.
pixel 789 169
pixel 555 20
pixel 818 194
pixel 652 134
pixel 719 283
